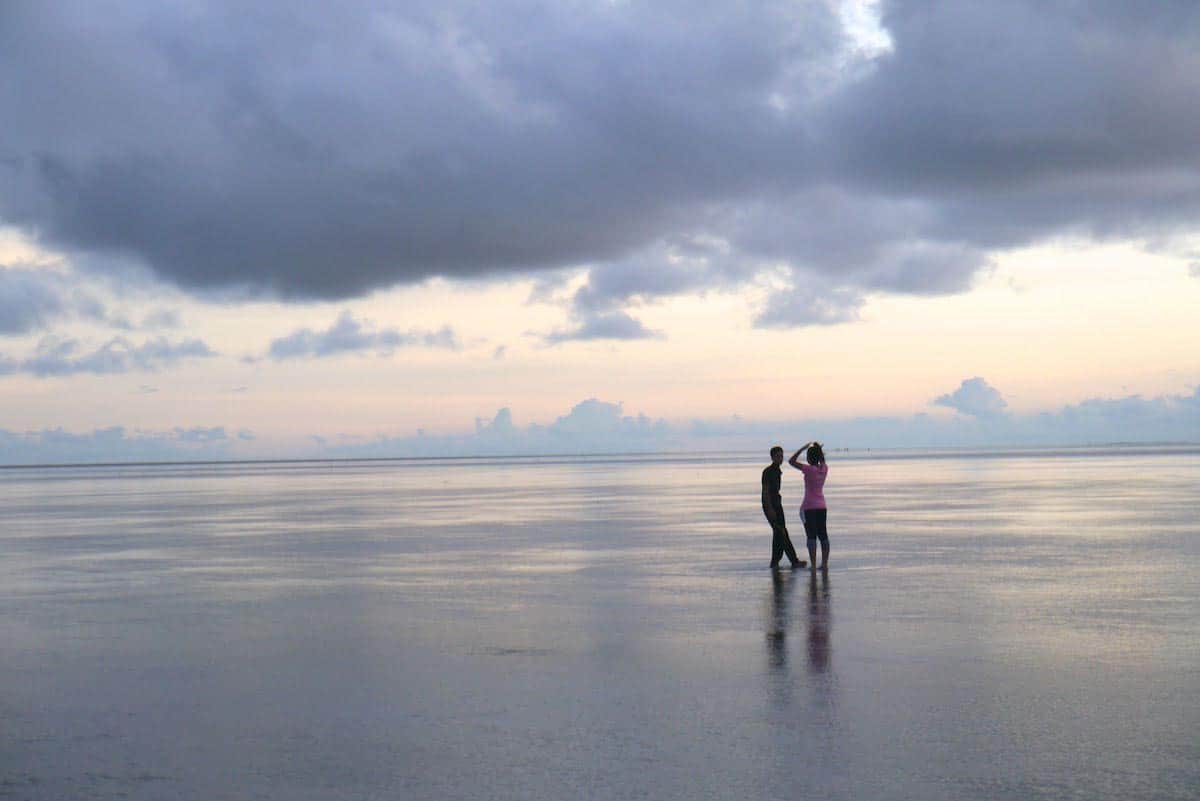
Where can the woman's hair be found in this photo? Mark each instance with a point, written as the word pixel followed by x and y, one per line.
pixel 816 455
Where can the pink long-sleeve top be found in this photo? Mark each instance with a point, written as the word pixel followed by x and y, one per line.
pixel 814 485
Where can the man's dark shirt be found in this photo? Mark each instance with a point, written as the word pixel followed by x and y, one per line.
pixel 771 478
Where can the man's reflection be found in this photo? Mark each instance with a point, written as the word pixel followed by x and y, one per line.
pixel 819 622
pixel 780 619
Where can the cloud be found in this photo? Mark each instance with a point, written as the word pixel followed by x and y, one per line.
pixel 28 299
pixel 281 154
pixel 596 426
pixel 606 325
pixel 683 267
pixel 114 444
pixel 1134 419
pixel 200 434
pixel 591 426
pixel 31 298
pixel 55 356
pixel 162 318
pixel 347 335
pixel 1194 269
pixel 810 305
pixel 974 397
pixel 594 417
pixel 596 307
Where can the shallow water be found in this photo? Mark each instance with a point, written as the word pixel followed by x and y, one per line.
pixel 1019 626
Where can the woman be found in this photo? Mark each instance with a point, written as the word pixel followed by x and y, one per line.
pixel 813 511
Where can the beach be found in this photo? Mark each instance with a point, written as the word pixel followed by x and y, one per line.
pixel 993 625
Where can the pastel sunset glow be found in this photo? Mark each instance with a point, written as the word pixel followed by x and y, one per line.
pixel 253 230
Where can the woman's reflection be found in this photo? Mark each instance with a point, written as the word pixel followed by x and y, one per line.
pixel 820 622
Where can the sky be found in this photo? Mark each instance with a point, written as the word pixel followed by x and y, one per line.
pixel 265 229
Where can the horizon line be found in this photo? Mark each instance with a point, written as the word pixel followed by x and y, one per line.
pixel 886 452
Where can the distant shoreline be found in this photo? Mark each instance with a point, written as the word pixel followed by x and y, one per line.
pixel 881 454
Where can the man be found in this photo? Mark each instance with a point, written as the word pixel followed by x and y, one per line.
pixel 772 505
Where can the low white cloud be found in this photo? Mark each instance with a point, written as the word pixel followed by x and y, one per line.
pixel 28 298
pixel 31 298
pixel 805 305
pixel 614 325
pixel 591 426
pixel 162 318
pixel 200 434
pixel 348 335
pixel 58 356
pixel 595 426
pixel 114 444
pixel 974 397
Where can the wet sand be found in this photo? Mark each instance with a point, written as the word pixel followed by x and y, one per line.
pixel 990 628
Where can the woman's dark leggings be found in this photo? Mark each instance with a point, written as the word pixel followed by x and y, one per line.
pixel 814 529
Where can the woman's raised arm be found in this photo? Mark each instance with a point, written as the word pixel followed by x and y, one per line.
pixel 795 460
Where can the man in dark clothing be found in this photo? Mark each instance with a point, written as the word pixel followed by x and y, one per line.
pixel 772 505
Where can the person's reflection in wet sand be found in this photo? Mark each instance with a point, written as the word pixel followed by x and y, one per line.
pixel 820 622
pixel 780 619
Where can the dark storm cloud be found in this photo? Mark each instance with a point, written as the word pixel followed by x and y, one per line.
pixel 348 335
pixel 56 356
pixel 318 153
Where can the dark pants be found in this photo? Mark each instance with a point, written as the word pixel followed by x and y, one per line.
pixel 815 525
pixel 781 543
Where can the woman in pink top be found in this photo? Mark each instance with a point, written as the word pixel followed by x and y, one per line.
pixel 813 511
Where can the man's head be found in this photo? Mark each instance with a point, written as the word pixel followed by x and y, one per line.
pixel 777 455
